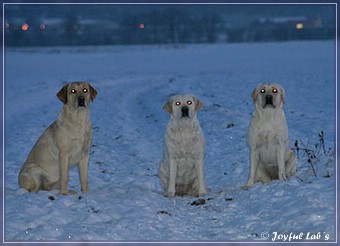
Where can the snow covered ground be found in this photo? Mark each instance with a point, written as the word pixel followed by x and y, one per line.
pixel 125 202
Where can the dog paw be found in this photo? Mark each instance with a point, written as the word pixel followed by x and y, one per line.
pixel 67 192
pixel 72 192
pixel 282 176
pixel 202 193
pixel 245 187
pixel 169 194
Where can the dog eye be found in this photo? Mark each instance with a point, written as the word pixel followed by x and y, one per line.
pixel 263 90
pixel 73 91
pixel 178 103
pixel 189 102
pixel 274 90
pixel 85 90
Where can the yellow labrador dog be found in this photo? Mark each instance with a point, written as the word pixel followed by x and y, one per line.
pixel 64 143
pixel 270 154
pixel 181 171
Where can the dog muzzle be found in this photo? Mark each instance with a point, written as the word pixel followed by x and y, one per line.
pixel 81 101
pixel 269 101
pixel 185 112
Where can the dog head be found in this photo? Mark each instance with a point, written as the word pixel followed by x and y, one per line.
pixel 269 96
pixel 77 94
pixel 183 106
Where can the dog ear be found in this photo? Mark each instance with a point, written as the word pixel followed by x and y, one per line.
pixel 93 92
pixel 283 94
pixel 198 104
pixel 62 94
pixel 254 94
pixel 168 106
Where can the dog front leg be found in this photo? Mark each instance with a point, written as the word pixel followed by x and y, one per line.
pixel 83 173
pixel 202 191
pixel 63 167
pixel 254 160
pixel 281 154
pixel 172 179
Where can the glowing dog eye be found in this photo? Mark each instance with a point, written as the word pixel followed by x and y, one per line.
pixel 263 90
pixel 189 102
pixel 85 90
pixel 274 90
pixel 73 91
pixel 178 103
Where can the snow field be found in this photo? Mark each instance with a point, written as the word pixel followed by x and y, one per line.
pixel 126 201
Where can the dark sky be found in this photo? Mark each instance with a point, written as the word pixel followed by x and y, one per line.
pixel 116 11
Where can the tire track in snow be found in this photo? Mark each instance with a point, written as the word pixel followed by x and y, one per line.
pixel 130 143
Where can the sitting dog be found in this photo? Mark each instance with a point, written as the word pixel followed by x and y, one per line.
pixel 270 154
pixel 64 143
pixel 181 171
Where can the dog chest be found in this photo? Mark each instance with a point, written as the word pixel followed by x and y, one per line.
pixel 75 147
pixel 186 167
pixel 268 144
pixel 267 139
pixel 76 151
pixel 268 154
pixel 185 142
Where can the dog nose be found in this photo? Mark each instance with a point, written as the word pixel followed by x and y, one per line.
pixel 81 101
pixel 185 112
pixel 269 99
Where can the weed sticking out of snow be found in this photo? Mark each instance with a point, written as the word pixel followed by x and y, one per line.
pixel 317 157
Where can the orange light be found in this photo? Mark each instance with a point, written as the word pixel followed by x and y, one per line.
pixel 141 26
pixel 24 27
pixel 299 26
pixel 42 26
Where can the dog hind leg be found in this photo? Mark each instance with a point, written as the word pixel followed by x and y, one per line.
pixel 163 174
pixel 291 161
pixel 30 178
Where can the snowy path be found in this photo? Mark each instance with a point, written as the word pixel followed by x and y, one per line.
pixel 125 202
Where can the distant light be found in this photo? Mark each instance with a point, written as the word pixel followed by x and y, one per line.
pixel 42 26
pixel 299 26
pixel 24 27
pixel 7 25
pixel 141 26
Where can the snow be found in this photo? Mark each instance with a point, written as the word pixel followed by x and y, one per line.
pixel 125 202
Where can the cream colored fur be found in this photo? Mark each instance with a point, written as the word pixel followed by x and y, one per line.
pixel 64 143
pixel 182 169
pixel 270 154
